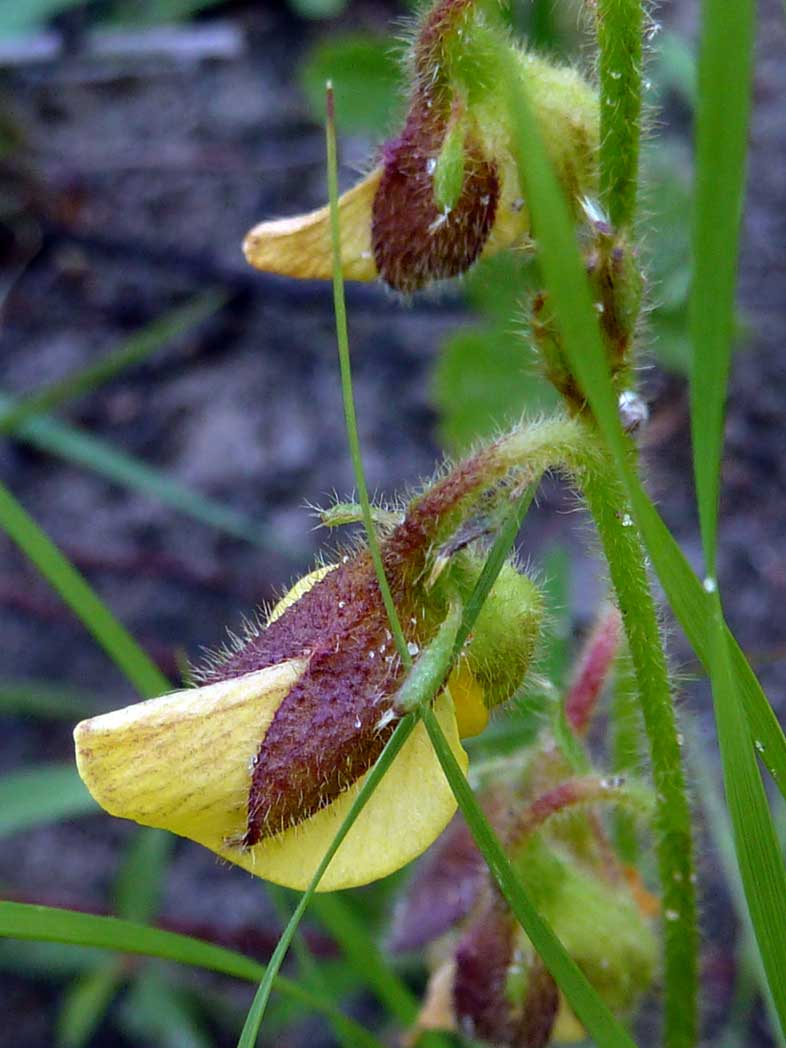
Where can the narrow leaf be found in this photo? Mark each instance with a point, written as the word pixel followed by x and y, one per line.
pixel 42 794
pixel 116 641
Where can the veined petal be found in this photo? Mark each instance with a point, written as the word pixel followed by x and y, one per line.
pixel 183 763
pixel 301 246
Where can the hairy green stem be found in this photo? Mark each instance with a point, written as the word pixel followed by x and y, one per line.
pixel 619 29
pixel 625 556
pixel 625 732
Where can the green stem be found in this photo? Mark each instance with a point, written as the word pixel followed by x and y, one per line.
pixel 625 733
pixel 627 564
pixel 619 28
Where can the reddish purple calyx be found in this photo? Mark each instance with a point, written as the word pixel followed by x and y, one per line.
pixel 414 242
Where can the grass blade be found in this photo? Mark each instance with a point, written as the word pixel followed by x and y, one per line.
pixel 350 417
pixel 44 699
pixel 85 1003
pixel 134 350
pixel 338 917
pixel 116 641
pixel 139 885
pixel 725 76
pixel 583 999
pixel 49 924
pixel 566 281
pixel 755 840
pixel 83 449
pixel 720 832
pixel 42 794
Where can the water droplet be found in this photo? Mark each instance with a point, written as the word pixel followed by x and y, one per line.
pixel 413 648
pixel 371 654
pixel 431 165
pixel 671 915
pixel 627 520
pixel 342 603
pixel 759 745
pixel 357 722
pixel 680 739
pixel 633 410
pixel 615 74
pixel 709 584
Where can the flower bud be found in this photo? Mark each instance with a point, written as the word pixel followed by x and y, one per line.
pixel 447 189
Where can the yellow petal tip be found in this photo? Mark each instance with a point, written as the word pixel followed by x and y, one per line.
pixel 301 246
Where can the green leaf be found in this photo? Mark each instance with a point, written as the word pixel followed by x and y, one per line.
pixel 720 832
pixel 42 794
pixel 482 380
pixel 755 840
pixel 366 80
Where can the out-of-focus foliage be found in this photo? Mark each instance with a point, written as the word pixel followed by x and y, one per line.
pixel 366 79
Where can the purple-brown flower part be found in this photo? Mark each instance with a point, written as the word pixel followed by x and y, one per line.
pixel 336 719
pixel 413 241
pixel 442 891
pixel 485 959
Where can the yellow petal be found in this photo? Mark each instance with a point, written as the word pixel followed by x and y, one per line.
pixel 183 763
pixel 472 713
pixel 301 246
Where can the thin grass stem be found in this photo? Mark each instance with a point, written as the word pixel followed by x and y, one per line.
pixel 250 1032
pixel 350 416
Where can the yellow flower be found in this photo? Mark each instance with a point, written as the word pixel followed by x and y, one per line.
pixel 446 190
pixel 262 763
pixel 183 762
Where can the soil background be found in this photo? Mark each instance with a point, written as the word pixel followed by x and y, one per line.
pixel 135 176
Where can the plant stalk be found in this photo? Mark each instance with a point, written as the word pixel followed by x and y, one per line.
pixel 674 844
